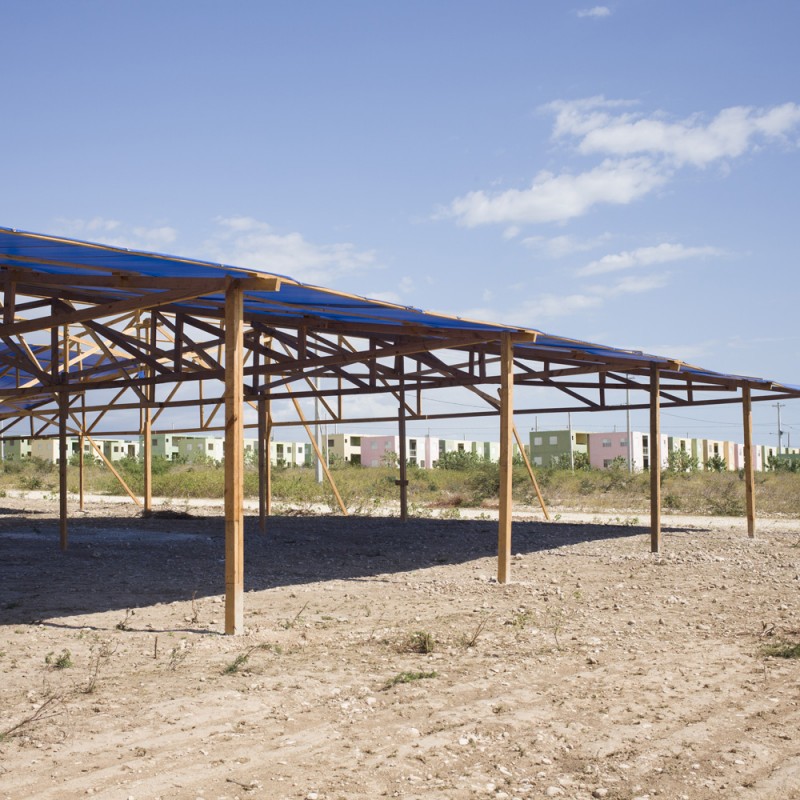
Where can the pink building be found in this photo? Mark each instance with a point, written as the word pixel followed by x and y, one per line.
pixel 422 451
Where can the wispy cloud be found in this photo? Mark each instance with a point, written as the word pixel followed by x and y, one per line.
pixel 562 246
pixel 116 233
pixel 596 12
pixel 640 153
pixel 646 256
pixel 558 198
pixel 247 242
pixel 695 141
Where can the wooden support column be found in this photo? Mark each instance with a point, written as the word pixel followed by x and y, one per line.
pixel 234 459
pixel 506 425
pixel 403 454
pixel 655 460
pixel 63 406
pixel 749 466
pixel 264 464
pixel 147 459
pixel 81 445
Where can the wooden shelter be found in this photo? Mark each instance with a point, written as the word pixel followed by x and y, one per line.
pixel 92 333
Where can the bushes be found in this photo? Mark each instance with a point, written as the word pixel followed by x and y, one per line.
pixel 476 483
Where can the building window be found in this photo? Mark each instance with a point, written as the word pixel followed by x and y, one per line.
pixel 355 441
pixel 537 440
pixel 607 462
pixel 537 460
pixel 623 442
pixel 606 442
pixel 554 440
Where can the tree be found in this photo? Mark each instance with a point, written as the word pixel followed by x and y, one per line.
pixel 716 463
pixel 679 461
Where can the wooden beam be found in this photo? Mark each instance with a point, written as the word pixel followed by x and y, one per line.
pixel 234 459
pixel 655 461
pixel 140 303
pixel 105 460
pixel 531 474
pixel 749 465
pixel 506 419
pixel 319 454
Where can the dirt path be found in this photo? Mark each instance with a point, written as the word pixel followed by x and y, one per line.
pixel 601 671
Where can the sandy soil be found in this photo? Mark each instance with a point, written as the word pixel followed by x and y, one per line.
pixel 601 671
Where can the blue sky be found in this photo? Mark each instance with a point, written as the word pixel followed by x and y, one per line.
pixel 625 173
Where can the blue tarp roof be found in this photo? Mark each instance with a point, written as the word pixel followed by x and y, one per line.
pixel 294 300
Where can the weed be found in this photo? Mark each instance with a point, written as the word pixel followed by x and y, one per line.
pixel 521 619
pixel 290 623
pixel 46 710
pixel 236 664
pixel 408 677
pixel 101 656
pixel 62 661
pixel 243 658
pixel 472 641
pixel 419 642
pixel 122 625
pixel 782 650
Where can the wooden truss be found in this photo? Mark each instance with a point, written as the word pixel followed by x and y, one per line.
pixel 81 353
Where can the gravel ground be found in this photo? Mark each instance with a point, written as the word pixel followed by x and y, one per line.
pixel 381 659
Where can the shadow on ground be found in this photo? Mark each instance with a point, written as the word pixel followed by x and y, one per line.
pixel 126 562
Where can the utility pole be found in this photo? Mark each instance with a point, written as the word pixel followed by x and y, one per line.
pixel 780 432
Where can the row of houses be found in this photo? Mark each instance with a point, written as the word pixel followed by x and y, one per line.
pixel 603 449
pixel 545 449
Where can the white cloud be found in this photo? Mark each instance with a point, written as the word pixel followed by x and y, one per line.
pixel 692 141
pixel 557 198
pixel 250 243
pixel 640 153
pixel 561 246
pixel 597 11
pixel 116 234
pixel 645 256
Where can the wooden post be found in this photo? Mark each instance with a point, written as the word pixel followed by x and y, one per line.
pixel 147 459
pixel 81 445
pixel 655 460
pixel 403 454
pixel 63 404
pixel 263 459
pixel 234 459
pixel 506 423
pixel 749 466
pixel 402 459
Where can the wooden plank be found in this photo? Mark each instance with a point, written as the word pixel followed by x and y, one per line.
pixel 655 461
pixel 234 460
pixel 531 474
pixel 120 479
pixel 319 454
pixel 749 465
pixel 506 417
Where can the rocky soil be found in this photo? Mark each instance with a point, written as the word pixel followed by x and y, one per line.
pixel 382 659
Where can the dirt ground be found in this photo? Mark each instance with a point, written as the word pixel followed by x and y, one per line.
pixel 601 671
